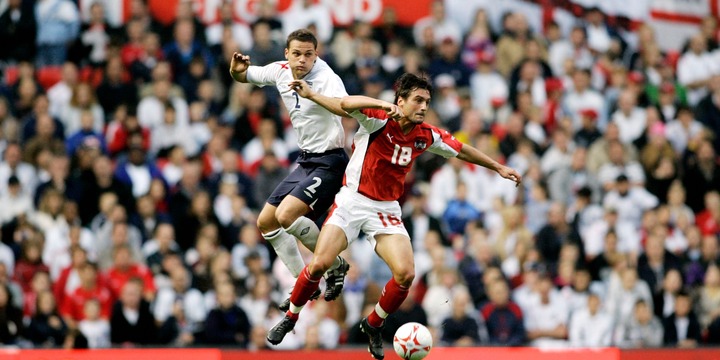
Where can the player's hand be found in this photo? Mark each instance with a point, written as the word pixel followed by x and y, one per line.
pixel 510 174
pixel 394 111
pixel 301 88
pixel 239 63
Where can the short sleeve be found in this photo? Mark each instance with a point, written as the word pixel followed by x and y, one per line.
pixel 265 75
pixel 335 87
pixel 370 119
pixel 444 144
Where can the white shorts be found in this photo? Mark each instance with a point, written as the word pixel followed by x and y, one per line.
pixel 353 212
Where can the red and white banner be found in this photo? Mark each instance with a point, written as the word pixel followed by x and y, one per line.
pixel 344 12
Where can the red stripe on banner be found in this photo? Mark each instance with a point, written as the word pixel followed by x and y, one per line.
pixel 715 8
pixel 675 17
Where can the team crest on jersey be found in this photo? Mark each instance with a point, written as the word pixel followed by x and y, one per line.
pixel 420 144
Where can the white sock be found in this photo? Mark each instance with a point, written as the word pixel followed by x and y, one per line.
pixel 287 250
pixel 334 265
pixel 305 230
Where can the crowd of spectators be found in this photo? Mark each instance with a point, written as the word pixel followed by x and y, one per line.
pixel 129 187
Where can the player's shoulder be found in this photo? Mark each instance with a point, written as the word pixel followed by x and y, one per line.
pixel 378 114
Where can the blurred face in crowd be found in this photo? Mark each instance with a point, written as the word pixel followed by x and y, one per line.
pixel 642 313
pixel 499 293
pixel 682 306
pixel 131 295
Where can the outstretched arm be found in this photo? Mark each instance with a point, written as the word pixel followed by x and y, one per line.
pixel 475 156
pixel 238 67
pixel 358 102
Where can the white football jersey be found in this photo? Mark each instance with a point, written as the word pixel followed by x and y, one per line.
pixel 318 130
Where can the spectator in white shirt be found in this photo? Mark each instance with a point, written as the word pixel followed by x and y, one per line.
pixel 624 292
pixel 592 326
pixel 694 69
pixel 582 97
pixel 13 165
pixel 305 13
pixel 151 108
pixel 620 164
pixel 629 117
pixel 60 94
pixel 640 330
pixel 181 306
pixel 683 130
pixel 15 202
pixel 442 26
pixel 488 88
pixel 596 235
pixel 239 32
pixel 559 155
pixel 546 318
pixel 630 201
pixel 574 48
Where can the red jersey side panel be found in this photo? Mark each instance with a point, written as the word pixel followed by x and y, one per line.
pixel 383 154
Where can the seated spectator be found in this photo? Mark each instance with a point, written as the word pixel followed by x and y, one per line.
pixel 591 326
pixel 137 170
pixel 503 318
pixel 95 329
pixel 664 298
pixel 461 328
pixel 258 299
pixel 459 211
pixel 90 288
pixel 641 330
pixel 163 243
pixel 29 264
pixel 47 329
pixel 249 243
pixel 447 286
pixel 227 324
pixel 682 328
pixel 85 135
pixel 131 321
pixel 708 306
pixel 82 100
pixel 546 316
pixel 124 269
pixel 179 310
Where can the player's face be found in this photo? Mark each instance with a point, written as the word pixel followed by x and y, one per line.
pixel 416 105
pixel 301 57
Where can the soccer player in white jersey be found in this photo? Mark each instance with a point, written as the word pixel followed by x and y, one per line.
pixel 309 190
pixel 390 138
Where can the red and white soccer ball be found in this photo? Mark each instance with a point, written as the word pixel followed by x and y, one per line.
pixel 412 341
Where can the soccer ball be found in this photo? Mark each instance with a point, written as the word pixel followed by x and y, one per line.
pixel 412 341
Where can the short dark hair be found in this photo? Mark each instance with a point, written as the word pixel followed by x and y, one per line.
pixel 407 82
pixel 302 35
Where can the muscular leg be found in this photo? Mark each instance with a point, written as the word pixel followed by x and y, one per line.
pixel 397 253
pixel 284 244
pixel 290 214
pixel 331 243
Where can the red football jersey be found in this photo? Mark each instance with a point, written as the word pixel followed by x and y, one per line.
pixel 383 154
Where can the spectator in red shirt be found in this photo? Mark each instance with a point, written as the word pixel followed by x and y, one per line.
pixel 90 288
pixel 30 264
pixel 125 268
pixel 708 220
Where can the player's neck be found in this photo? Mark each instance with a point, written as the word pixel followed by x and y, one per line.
pixel 406 125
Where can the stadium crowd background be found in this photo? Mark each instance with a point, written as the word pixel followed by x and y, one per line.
pixel 133 168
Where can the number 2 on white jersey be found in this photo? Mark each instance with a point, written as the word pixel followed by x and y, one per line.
pixel 297 100
pixel 402 155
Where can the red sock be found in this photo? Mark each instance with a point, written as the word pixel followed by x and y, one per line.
pixel 305 286
pixel 392 296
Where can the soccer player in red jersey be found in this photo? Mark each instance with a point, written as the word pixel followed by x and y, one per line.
pixel 390 138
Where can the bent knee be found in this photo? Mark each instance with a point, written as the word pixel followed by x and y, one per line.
pixel 266 224
pixel 287 214
pixel 405 276
pixel 319 266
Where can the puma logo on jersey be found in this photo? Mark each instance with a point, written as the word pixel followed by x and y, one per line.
pixel 389 137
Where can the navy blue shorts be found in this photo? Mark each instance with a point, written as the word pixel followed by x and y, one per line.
pixel 315 181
